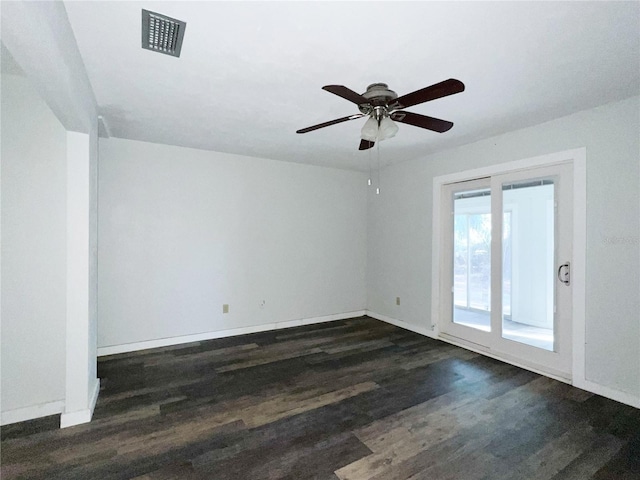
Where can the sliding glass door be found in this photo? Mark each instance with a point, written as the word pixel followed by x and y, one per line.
pixel 507 250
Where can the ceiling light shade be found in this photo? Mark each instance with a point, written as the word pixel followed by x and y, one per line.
pixel 388 129
pixel 370 130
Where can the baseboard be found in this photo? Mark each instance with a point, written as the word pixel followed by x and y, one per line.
pixel 583 384
pixel 165 342
pixel 31 412
pixel 399 323
pixel 69 419
pixel 612 393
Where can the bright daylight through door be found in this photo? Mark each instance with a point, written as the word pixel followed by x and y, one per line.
pixel 505 250
pixel 527 261
pixel 472 259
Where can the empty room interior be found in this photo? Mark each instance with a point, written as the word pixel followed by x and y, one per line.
pixel 320 240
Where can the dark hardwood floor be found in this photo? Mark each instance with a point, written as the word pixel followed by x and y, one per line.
pixel 353 399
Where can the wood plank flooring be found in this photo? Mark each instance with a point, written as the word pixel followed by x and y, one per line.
pixel 351 400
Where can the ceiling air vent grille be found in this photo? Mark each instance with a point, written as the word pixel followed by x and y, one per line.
pixel 161 33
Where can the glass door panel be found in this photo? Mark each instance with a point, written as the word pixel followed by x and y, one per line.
pixel 472 259
pixel 528 242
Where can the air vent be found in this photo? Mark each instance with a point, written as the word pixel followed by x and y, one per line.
pixel 161 33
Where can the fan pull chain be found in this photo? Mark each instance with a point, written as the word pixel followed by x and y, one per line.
pixel 369 181
pixel 378 187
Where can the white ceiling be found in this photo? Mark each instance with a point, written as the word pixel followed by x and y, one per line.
pixel 250 73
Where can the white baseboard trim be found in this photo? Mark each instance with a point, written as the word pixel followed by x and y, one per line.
pixel 165 342
pixel 399 323
pixel 31 412
pixel 612 393
pixel 69 419
pixel 583 384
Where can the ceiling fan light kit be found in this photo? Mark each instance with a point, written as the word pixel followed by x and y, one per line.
pixel 384 108
pixel 369 130
pixel 387 129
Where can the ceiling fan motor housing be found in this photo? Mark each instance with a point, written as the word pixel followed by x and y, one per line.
pixel 378 95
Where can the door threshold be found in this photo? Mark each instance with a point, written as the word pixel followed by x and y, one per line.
pixel 503 357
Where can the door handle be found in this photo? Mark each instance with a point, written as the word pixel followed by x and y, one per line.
pixel 564 273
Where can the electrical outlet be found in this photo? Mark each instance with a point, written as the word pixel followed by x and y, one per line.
pixel 397 300
pixel 225 308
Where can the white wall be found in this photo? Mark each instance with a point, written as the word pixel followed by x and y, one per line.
pixel 92 316
pixel 184 231
pixel 33 253
pixel 40 39
pixel 399 230
pixel 82 385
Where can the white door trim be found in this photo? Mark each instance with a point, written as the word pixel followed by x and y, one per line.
pixel 576 157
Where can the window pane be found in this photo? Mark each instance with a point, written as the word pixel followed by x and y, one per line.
pixel 528 259
pixel 472 259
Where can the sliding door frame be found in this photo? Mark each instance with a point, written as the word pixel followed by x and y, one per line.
pixel 577 159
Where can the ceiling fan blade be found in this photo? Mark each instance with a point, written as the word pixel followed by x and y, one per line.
pixel 331 122
pixel 439 90
pixel 346 93
pixel 422 121
pixel 366 144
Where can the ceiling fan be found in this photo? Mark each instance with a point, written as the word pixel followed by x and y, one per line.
pixel 383 106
